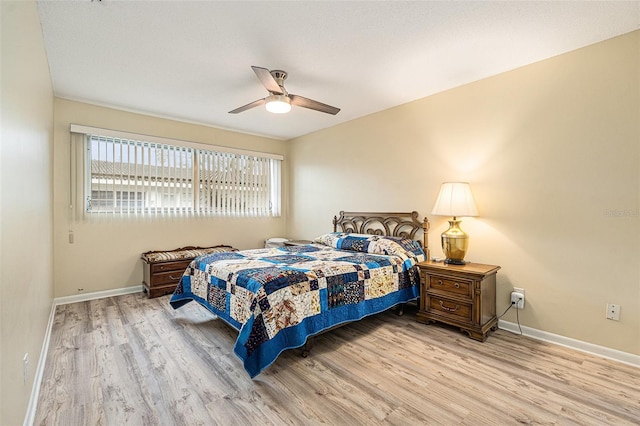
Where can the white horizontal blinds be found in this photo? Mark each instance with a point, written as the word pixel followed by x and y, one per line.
pixel 126 177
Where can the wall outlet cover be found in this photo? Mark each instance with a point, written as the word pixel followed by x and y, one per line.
pixel 613 312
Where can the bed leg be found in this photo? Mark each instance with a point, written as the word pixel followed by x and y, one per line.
pixel 400 310
pixel 308 345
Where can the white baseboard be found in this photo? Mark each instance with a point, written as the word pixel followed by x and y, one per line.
pixel 579 345
pixel 96 295
pixel 37 382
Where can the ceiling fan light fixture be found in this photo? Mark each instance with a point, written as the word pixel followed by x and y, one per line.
pixel 278 104
pixel 279 100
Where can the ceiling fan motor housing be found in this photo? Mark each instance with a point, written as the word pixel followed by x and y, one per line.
pixel 279 76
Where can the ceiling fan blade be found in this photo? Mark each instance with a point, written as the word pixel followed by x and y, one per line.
pixel 248 106
pixel 311 104
pixel 267 80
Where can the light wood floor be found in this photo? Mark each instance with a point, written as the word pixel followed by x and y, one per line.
pixel 129 360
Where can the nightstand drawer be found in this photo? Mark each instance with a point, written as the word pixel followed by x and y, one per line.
pixel 451 308
pixel 169 277
pixel 179 265
pixel 448 285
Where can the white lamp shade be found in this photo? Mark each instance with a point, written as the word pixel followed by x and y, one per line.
pixel 278 104
pixel 455 199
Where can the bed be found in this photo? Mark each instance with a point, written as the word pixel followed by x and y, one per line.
pixel 278 298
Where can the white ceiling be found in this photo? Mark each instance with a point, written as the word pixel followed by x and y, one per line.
pixel 192 61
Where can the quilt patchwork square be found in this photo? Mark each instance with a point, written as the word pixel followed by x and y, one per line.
pixel 370 260
pixel 199 283
pixel 238 306
pixel 217 297
pixel 208 258
pixel 287 259
pixel 300 249
pixel 257 336
pixel 344 289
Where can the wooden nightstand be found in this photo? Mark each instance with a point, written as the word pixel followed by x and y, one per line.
pixel 162 277
pixel 459 295
pixel 162 270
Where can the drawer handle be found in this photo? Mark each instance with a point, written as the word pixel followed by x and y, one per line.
pixel 174 278
pixel 456 285
pixel 447 309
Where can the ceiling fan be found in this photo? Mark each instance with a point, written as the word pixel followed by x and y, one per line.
pixel 279 100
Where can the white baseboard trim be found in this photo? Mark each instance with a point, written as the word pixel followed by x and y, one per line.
pixel 96 295
pixel 579 345
pixel 37 382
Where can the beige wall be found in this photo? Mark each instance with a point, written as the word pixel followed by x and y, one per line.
pixel 552 151
pixel 26 288
pixel 106 255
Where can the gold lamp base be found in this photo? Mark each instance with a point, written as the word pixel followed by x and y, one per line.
pixel 454 243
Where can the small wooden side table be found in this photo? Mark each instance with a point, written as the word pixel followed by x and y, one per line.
pixel 459 295
pixel 162 270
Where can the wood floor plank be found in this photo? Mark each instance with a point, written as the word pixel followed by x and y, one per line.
pixel 133 360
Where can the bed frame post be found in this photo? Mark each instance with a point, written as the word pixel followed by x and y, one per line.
pixel 425 240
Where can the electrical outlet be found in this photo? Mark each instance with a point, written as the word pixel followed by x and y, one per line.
pixel 613 312
pixel 25 368
pixel 517 298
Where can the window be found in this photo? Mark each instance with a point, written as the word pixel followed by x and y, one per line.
pixel 126 176
pixel 108 200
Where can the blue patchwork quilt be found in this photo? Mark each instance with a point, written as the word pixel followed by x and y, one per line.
pixel 278 297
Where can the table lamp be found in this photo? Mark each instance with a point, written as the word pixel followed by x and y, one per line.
pixel 455 199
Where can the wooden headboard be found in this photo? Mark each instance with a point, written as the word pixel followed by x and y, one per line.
pixel 404 225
